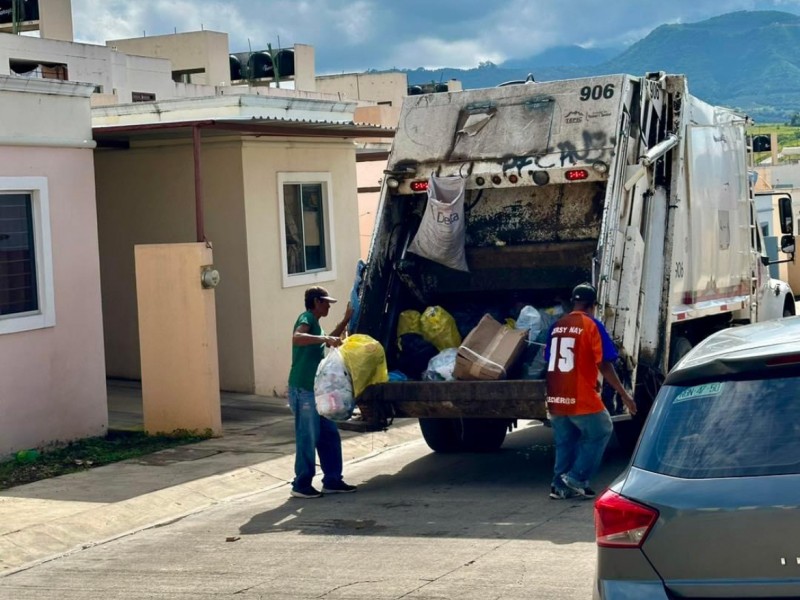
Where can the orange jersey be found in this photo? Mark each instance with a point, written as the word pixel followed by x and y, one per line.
pixel 576 345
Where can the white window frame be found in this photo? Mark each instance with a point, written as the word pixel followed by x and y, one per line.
pixel 45 316
pixel 313 277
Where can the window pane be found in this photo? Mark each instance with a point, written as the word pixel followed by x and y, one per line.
pixel 295 258
pixel 18 292
pixel 724 429
pixel 304 206
pixel 313 227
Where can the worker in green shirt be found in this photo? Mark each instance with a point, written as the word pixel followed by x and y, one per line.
pixel 313 433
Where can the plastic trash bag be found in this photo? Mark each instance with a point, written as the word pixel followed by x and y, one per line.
pixel 408 322
pixel 333 390
pixel 414 355
pixel 365 360
pixel 440 367
pixel 530 319
pixel 355 301
pixel 439 328
pixel 534 364
pixel 441 234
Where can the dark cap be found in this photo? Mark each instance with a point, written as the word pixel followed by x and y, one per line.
pixel 584 292
pixel 314 293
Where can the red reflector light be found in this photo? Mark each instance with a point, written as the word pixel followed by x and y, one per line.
pixel 787 359
pixel 419 186
pixel 576 174
pixel 621 523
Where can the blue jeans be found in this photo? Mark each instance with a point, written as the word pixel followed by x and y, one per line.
pixel 313 434
pixel 580 443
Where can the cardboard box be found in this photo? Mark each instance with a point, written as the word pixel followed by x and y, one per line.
pixel 489 351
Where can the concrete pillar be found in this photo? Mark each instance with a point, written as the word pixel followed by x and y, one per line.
pixel 177 338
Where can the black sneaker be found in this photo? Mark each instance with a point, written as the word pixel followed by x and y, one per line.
pixel 561 493
pixel 308 492
pixel 338 488
pixel 579 490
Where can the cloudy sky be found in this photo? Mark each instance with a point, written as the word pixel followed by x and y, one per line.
pixel 356 35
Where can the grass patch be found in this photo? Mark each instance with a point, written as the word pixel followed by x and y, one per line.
pixel 29 466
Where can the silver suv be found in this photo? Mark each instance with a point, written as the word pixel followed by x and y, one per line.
pixel 710 504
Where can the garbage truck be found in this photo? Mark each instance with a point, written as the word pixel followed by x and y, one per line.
pixel 627 182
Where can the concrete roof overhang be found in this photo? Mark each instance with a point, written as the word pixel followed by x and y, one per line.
pixel 122 135
pixel 247 115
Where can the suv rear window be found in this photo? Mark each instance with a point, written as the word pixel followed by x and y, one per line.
pixel 736 428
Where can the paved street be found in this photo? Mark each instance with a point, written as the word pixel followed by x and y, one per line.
pixel 421 526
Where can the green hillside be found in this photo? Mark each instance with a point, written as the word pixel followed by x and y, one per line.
pixel 745 60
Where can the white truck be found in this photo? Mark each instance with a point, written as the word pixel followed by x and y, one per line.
pixel 630 183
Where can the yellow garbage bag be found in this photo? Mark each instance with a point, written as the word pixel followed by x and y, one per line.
pixel 408 322
pixel 365 361
pixel 439 328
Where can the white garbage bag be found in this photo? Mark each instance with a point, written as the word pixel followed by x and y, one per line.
pixel 333 390
pixel 440 367
pixel 442 232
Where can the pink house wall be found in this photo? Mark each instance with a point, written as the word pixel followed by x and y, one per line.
pixel 52 380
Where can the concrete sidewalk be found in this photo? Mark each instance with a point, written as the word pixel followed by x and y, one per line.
pixel 49 518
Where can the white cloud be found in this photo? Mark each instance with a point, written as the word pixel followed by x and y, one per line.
pixel 364 34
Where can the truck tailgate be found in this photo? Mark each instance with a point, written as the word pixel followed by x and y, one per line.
pixel 516 399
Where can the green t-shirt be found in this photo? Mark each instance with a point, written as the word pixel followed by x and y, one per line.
pixel 306 359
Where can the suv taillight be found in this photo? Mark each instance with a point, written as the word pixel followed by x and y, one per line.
pixel 621 523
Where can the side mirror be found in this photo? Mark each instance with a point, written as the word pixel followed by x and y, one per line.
pixel 762 143
pixel 786 215
pixel 787 244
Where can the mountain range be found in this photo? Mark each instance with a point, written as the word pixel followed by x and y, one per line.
pixel 745 60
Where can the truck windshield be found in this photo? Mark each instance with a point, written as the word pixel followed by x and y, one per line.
pixel 736 428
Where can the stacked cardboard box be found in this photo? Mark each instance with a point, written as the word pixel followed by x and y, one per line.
pixel 489 351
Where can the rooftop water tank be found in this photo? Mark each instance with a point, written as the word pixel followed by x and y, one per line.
pixel 259 65
pixel 284 60
pixel 235 67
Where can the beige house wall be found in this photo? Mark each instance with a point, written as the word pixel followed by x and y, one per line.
pixel 52 378
pixel 206 50
pixel 370 175
pixel 377 87
pixel 275 307
pixel 146 196
pixel 117 75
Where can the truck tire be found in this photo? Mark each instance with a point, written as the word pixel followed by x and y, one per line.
pixel 463 435
pixel 483 435
pixel 442 435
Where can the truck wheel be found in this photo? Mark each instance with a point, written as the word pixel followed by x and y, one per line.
pixel 484 435
pixel 442 435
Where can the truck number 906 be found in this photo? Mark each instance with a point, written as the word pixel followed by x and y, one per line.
pixel 596 92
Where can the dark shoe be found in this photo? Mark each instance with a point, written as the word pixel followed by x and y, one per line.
pixel 561 493
pixel 308 492
pixel 584 491
pixel 338 488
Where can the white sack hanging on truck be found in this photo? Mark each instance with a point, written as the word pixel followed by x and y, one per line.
pixel 441 233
